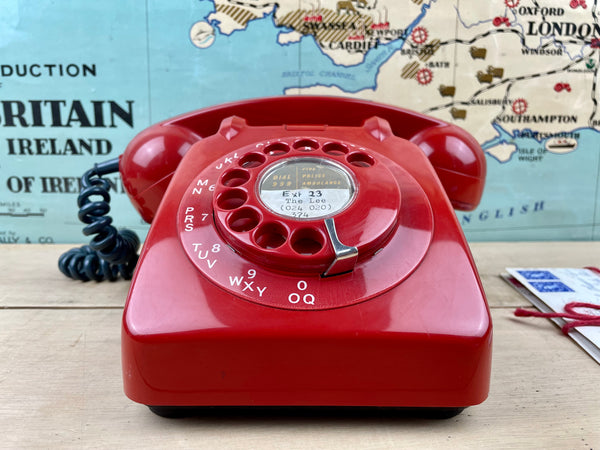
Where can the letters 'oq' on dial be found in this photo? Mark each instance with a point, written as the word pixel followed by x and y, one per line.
pixel 303 211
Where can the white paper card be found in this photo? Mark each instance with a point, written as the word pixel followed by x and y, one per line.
pixel 550 290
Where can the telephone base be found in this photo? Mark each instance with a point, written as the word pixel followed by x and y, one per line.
pixel 300 412
pixel 229 306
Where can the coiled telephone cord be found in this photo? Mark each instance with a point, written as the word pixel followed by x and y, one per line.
pixel 111 252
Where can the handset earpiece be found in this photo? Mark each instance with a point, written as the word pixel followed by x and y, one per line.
pixel 152 156
pixel 148 164
pixel 458 161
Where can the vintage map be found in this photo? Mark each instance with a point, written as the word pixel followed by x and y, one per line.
pixel 520 75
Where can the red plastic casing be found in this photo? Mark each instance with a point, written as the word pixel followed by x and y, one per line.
pixel 151 158
pixel 415 332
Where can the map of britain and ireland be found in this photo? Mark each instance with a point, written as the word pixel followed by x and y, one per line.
pixel 445 48
pixel 520 75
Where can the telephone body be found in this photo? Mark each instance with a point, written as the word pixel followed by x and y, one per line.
pixel 304 251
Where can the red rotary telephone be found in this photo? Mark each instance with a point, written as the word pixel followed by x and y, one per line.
pixel 304 252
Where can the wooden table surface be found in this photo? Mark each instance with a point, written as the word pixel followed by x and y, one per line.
pixel 60 373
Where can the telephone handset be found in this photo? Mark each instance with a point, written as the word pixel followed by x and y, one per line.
pixel 304 252
pixel 455 155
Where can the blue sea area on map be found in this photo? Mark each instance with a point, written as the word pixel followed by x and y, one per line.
pixel 251 62
pixel 297 64
pixel 526 138
pixel 536 194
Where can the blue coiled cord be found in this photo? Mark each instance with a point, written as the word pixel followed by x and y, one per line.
pixel 111 252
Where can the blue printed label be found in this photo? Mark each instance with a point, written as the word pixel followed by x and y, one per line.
pixel 550 286
pixel 537 275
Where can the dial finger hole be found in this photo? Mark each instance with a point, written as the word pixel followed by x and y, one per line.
pixel 360 159
pixel 307 241
pixel 235 177
pixel 277 148
pixel 271 235
pixel 335 149
pixel 306 145
pixel 252 160
pixel 232 199
pixel 244 219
